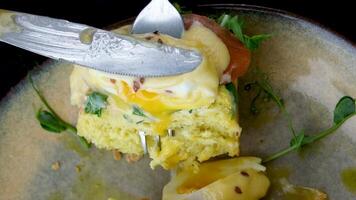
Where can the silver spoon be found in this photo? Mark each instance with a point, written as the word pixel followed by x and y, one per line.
pixel 161 16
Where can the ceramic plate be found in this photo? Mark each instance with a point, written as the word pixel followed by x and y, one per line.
pixel 309 66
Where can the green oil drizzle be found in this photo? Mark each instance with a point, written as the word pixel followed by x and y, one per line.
pixel 277 173
pixel 348 177
pixel 56 196
pixel 300 193
pixel 72 144
pixel 88 186
pixel 279 182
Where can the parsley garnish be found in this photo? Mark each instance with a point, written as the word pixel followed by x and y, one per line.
pixel 50 120
pixel 95 103
pixel 232 89
pixel 236 24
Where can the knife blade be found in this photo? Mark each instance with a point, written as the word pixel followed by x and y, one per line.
pixel 94 48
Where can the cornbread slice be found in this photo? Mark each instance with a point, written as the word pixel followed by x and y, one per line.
pixel 201 113
pixel 199 134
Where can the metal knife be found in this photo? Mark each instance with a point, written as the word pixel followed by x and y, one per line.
pixel 94 48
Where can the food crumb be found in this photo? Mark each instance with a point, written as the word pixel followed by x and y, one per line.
pixel 238 190
pixel 56 166
pixel 243 173
pixel 78 168
pixel 142 80
pixel 113 81
pixel 136 85
pixel 116 154
pixel 131 158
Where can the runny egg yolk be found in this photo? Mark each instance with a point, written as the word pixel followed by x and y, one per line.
pixel 159 97
pixel 151 103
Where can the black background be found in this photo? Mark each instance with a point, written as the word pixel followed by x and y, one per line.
pixel 338 15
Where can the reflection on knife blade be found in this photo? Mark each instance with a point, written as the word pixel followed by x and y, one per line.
pixel 94 48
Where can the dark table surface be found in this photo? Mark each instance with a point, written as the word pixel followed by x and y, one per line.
pixel 337 15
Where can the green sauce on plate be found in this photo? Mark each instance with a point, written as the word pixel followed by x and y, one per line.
pixel 348 177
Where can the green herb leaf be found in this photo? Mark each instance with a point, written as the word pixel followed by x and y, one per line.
pixel 255 41
pixel 222 20
pixel 268 89
pixel 50 122
pixel 181 9
pixel 253 106
pixel 138 111
pixel 95 103
pixel 236 24
pixel 177 6
pixel 344 108
pixel 297 141
pixel 43 100
pixel 310 139
pixel 264 86
pixel 84 142
pixel 232 89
